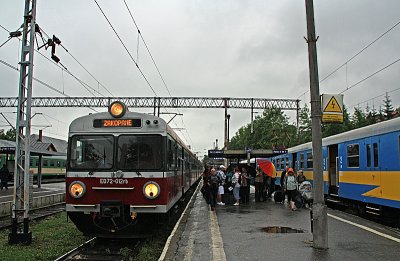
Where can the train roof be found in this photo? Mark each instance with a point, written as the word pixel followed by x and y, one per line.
pixel 368 131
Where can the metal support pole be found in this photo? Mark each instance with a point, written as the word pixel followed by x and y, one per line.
pixel 23 182
pixel 297 115
pixel 226 124
pixel 320 225
pixel 252 112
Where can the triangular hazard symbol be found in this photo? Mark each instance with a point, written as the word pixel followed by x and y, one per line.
pixel 333 106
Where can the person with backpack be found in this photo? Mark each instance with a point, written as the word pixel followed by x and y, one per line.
pixel 213 182
pixel 204 189
pixel 282 182
pixel 291 188
pixel 236 180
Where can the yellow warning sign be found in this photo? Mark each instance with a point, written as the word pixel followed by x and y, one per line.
pixel 333 106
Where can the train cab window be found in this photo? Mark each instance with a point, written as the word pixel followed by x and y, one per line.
pixel 301 161
pixel 309 160
pixel 368 149
pixel 353 156
pixel 376 156
pixel 91 152
pixel 139 152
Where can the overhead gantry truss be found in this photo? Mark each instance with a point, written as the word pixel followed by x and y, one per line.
pixel 158 102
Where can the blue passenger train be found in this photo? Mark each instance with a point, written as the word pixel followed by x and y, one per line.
pixel 361 167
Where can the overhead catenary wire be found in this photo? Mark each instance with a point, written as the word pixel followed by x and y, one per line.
pixel 156 66
pixel 76 60
pixel 371 99
pixel 126 49
pixel 355 55
pixel 369 76
pixel 59 65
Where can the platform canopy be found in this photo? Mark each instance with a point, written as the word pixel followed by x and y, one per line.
pixel 244 154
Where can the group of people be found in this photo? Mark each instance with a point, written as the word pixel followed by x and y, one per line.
pixel 219 185
pixel 289 184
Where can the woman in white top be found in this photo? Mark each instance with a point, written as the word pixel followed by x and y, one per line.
pixel 236 185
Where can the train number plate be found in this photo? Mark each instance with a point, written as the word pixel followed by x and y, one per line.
pixel 114 181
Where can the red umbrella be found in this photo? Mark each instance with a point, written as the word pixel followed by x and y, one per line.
pixel 266 166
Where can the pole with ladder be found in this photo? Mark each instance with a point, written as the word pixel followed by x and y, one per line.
pixel 23 182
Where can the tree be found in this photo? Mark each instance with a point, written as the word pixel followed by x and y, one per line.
pixel 272 128
pixel 8 135
pixel 359 119
pixel 388 108
pixel 304 134
pixel 371 116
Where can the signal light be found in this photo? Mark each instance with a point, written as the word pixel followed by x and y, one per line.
pixel 117 109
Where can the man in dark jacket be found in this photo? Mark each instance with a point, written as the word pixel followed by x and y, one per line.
pixel 282 181
pixel 4 174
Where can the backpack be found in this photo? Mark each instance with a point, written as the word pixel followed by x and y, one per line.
pixel 214 180
pixel 291 183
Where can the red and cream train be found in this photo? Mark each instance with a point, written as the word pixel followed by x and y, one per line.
pixel 125 171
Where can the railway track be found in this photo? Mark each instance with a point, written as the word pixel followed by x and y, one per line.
pixel 103 249
pixel 37 214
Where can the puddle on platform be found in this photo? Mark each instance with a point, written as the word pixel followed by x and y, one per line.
pixel 275 230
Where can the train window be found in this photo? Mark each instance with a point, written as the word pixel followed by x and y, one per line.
pixel 31 162
pixel 301 161
pixel 139 152
pixel 353 156
pixel 368 149
pixel 376 156
pixel 309 160
pixel 45 163
pixel 92 152
pixel 58 163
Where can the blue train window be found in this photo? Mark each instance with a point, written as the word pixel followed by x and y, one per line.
pixel 309 160
pixel 301 161
pixel 368 155
pixel 353 156
pixel 376 158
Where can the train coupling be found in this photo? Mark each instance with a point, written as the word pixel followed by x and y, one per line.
pixel 111 209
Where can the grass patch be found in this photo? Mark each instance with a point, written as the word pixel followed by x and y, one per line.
pixel 51 238
pixel 150 250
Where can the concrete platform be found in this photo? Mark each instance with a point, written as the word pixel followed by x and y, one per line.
pixel 47 195
pixel 239 233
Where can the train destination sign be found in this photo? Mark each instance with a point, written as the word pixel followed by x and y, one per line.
pixel 332 108
pixel 105 123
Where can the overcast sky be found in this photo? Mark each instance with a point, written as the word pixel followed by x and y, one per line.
pixel 207 48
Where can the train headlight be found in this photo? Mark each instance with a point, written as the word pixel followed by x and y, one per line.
pixel 117 109
pixel 77 189
pixel 151 190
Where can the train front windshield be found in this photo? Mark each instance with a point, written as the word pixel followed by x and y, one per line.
pixel 92 152
pixel 133 152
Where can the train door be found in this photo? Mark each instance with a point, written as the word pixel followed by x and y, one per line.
pixel 373 162
pixel 294 161
pixel 333 168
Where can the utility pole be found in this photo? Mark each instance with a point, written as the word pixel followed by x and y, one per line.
pixel 319 210
pixel 23 182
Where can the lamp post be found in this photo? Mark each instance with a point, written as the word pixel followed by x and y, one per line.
pixel 227 138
